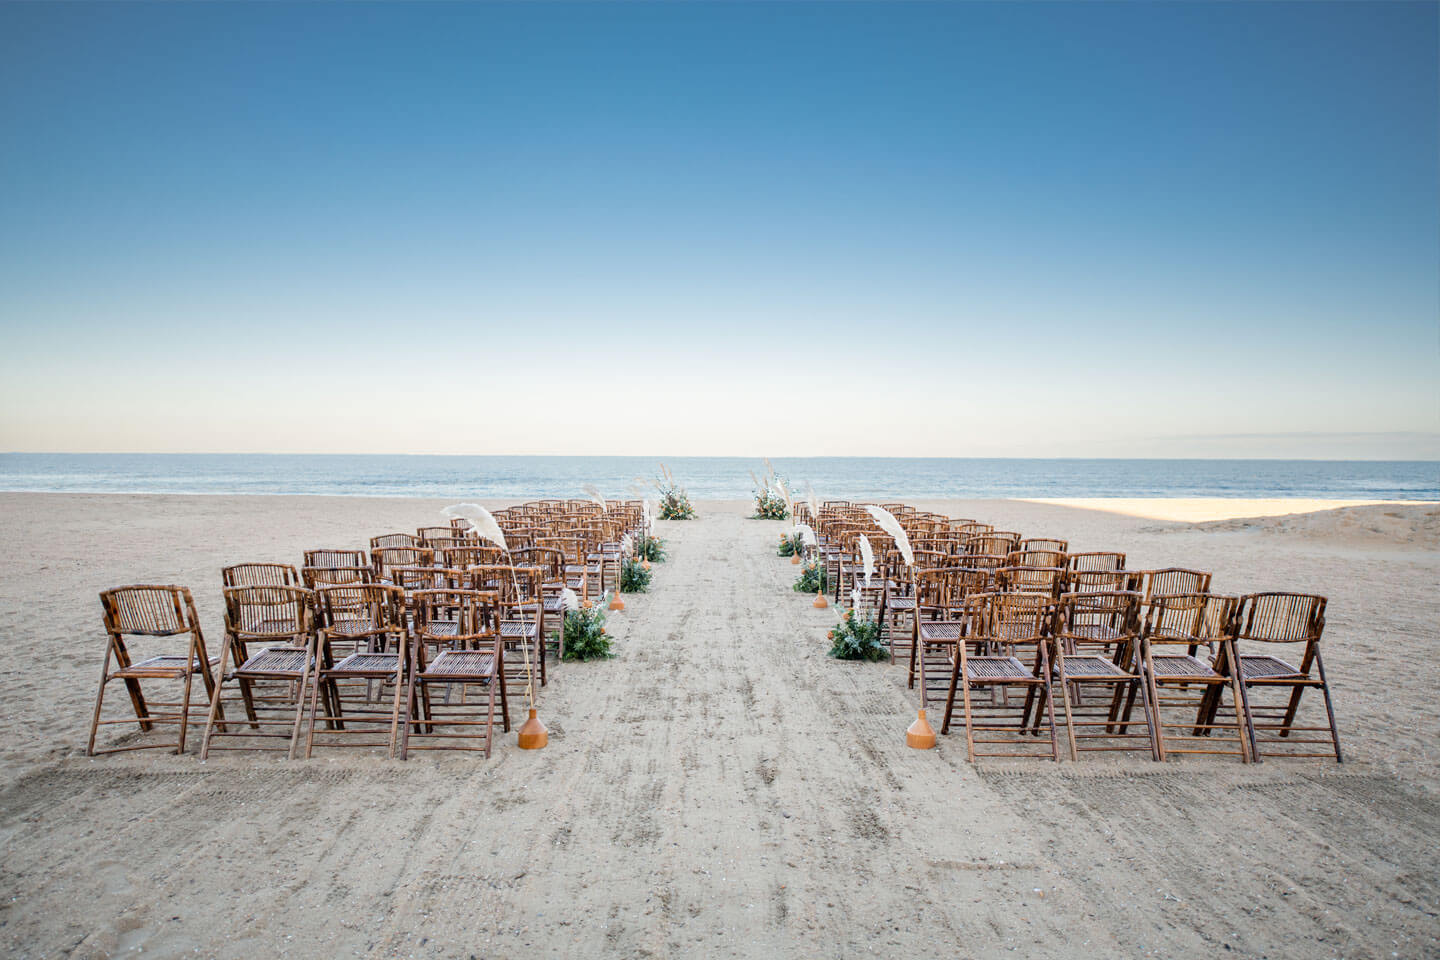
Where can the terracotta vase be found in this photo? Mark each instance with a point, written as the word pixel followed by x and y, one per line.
pixel 533 735
pixel 921 735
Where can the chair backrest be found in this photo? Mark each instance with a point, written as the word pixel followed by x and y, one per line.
pixel 378 606
pixel 1172 581
pixel 995 544
pixel 1281 617
pixel 425 578
pixel 316 577
pixel 473 553
pixel 149 610
pixel 461 618
pixel 1099 619
pixel 1045 543
pixel 1035 579
pixel 1101 581
pixel 1034 557
pixel 1097 560
pixel 394 540
pixel 385 558
pixel 336 558
pixel 269 612
pixel 424 534
pixel 259 575
pixel 1014 618
pixel 1189 618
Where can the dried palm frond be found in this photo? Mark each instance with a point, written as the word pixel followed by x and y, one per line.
pixel 887 522
pixel 813 501
pixel 758 485
pixel 627 546
pixel 867 557
pixel 480 521
pixel 785 495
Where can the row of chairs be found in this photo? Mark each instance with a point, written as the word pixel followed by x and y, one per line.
pixel 1005 638
pixel 421 643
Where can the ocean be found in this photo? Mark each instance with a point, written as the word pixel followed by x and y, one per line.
pixel 714 478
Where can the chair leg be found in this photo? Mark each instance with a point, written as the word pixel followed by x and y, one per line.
pixel 215 705
pixel 1329 707
pixel 1069 715
pixel 99 699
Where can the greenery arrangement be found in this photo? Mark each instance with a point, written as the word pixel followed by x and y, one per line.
pixel 674 502
pixel 650 548
pixel 585 637
pixel 772 501
pixel 634 576
pixel 856 638
pixel 791 545
pixel 813 578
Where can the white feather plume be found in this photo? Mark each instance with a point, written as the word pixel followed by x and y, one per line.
pixel 568 599
pixel 480 521
pixel 887 522
pixel 649 513
pixel 627 546
pixel 855 599
pixel 807 535
pixel 594 494
pixel 867 557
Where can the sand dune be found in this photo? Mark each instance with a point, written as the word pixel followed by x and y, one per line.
pixel 721 788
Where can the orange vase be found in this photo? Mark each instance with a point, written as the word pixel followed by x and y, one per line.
pixel 533 734
pixel 921 735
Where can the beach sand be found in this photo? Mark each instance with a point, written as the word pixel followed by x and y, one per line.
pixel 721 788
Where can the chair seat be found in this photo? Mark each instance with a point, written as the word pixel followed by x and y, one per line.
pixel 996 668
pixel 461 665
pixel 939 631
pixel 275 661
pixel 1091 668
pixel 352 628
pixel 1265 667
pixel 901 603
pixel 367 665
pixel 519 629
pixel 1181 666
pixel 163 667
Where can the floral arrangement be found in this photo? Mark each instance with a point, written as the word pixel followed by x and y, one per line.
pixel 792 544
pixel 634 575
pixel 649 548
pixel 772 500
pixel 857 638
pixel 674 501
pixel 585 637
pixel 813 578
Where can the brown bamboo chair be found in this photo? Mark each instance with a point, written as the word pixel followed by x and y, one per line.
pixel 272 680
pixel 1172 581
pixel 152 611
pixel 473 554
pixel 934 630
pixel 1097 560
pixel 463 626
pixel 1175 676
pixel 1265 622
pixel 368 619
pixel 1003 652
pixel 394 540
pixel 336 558
pixel 260 575
pixel 1045 543
pixel 424 535
pixel 1096 644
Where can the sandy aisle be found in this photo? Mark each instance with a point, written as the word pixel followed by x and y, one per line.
pixel 721 788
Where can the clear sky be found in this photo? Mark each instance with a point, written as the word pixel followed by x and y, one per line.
pixel 931 229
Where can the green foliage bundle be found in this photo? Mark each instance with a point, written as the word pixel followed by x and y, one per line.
pixel 791 545
pixel 769 505
pixel 813 578
pixel 585 637
pixel 857 638
pixel 634 577
pixel 650 548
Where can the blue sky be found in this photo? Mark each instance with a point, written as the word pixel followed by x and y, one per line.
pixel 983 229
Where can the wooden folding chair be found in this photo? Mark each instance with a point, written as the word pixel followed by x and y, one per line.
pixel 1095 643
pixel 272 680
pixel 1188 688
pixel 1003 650
pixel 368 620
pixel 394 540
pixel 156 611
pixel 463 626
pixel 260 575
pixel 1273 619
pixel 1096 560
